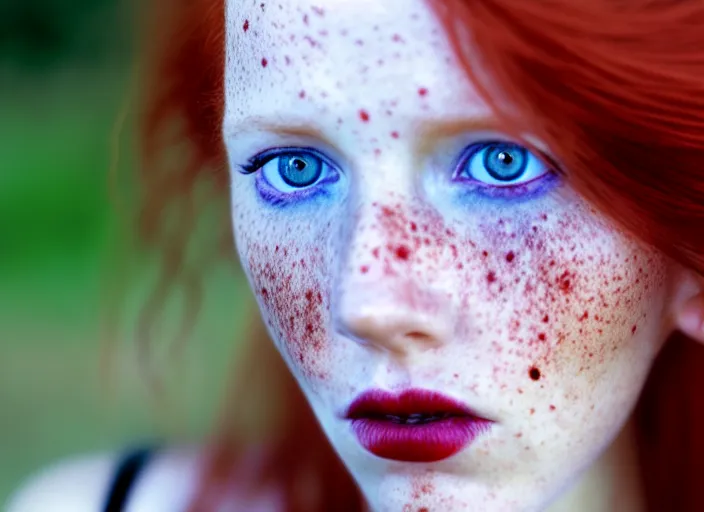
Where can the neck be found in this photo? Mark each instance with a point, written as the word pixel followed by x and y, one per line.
pixel 611 484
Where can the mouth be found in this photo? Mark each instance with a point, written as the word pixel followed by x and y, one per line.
pixel 413 426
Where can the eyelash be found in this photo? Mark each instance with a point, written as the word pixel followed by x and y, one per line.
pixel 330 174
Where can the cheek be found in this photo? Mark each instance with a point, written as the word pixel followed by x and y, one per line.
pixel 287 278
pixel 570 293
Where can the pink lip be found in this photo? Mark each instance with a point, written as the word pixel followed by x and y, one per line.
pixel 414 426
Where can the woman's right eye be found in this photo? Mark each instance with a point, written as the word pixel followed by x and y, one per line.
pixel 291 170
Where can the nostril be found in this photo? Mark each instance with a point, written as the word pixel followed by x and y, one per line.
pixel 418 336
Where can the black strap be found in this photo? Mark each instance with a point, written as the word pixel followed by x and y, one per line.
pixel 127 473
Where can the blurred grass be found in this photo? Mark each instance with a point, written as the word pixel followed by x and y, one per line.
pixel 56 236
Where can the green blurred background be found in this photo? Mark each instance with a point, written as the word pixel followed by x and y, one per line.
pixel 65 66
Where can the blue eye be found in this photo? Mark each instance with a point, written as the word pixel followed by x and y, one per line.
pixel 291 174
pixel 501 164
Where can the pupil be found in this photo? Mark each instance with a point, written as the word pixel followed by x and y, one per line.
pixel 299 164
pixel 505 158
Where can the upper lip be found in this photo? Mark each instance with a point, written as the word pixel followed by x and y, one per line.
pixel 377 403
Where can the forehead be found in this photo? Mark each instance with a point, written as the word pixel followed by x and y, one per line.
pixel 340 57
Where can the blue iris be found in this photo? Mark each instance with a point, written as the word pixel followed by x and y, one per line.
pixel 505 161
pixel 300 170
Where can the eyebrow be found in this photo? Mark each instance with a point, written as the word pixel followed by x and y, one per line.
pixel 291 128
pixel 427 131
pixel 434 129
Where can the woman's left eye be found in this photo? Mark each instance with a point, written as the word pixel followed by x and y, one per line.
pixel 501 164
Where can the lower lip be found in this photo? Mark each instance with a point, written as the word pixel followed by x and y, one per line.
pixel 431 442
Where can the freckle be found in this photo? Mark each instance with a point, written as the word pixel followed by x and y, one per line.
pixel 510 256
pixel 552 407
pixel 532 411
pixel 359 42
pixel 544 216
pixel 364 269
pixel 265 63
pixel 319 11
pixel 422 91
pixel 519 435
pixel 245 27
pixel 302 94
pixel 364 116
pixel 403 252
pixel 534 373
pixel 565 283
pixel 305 19
pixel 397 38
pixel 394 135
pixel 491 277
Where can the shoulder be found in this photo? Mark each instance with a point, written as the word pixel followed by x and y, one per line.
pixel 82 484
pixel 76 485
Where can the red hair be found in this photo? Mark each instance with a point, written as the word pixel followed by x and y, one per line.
pixel 614 89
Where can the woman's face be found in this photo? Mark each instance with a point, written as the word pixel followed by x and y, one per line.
pixel 396 241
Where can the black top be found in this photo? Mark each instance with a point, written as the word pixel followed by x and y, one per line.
pixel 126 474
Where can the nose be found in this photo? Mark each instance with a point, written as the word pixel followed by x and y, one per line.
pixel 392 322
pixel 395 303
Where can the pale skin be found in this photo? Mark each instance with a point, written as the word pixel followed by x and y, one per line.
pixel 395 269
